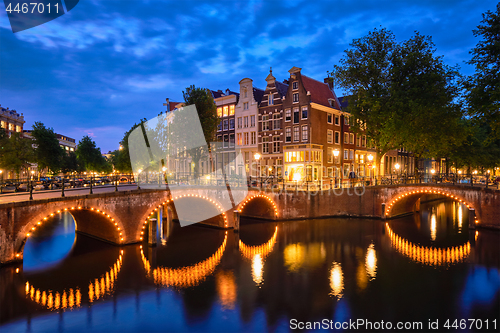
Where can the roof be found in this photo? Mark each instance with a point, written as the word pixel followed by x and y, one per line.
pixel 172 105
pixel 282 88
pixel 343 102
pixel 258 94
pixel 220 93
pixel 320 92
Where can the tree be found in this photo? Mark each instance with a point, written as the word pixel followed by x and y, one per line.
pixel 48 153
pixel 70 163
pixel 483 88
pixel 17 153
pixel 89 156
pixel 120 158
pixel 400 94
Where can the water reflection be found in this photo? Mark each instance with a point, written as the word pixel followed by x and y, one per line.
pixel 336 280
pixel 433 227
pixel 258 279
pixel 428 255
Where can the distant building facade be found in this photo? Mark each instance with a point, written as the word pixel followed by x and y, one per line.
pixel 11 121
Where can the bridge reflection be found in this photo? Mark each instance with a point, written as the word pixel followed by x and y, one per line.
pixel 433 256
pixel 72 297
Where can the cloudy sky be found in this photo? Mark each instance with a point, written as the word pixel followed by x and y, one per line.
pixel 106 64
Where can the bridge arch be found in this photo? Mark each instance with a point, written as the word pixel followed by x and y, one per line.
pixel 169 203
pixel 259 206
pixel 249 251
pixel 92 221
pixel 405 201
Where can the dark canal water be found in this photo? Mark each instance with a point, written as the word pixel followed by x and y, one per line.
pixel 267 277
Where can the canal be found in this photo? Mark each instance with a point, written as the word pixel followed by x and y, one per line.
pixel 267 277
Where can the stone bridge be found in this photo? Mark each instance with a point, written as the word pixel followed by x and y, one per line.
pixel 122 217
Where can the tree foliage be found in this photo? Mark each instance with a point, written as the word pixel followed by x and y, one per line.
pixel 48 153
pixel 17 152
pixel 400 94
pixel 483 87
pixel 89 156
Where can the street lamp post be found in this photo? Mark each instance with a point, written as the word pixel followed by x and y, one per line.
pixel 31 185
pixel 336 154
pixel 370 159
pixel 396 166
pixel 433 172
pixel 257 157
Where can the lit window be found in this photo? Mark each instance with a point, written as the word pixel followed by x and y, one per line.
pixel 225 111
pixel 219 112
pixel 239 139
pixel 231 110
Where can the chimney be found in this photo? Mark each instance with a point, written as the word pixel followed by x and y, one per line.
pixel 329 81
pixel 168 104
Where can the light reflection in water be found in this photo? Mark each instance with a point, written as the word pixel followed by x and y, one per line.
pixel 294 255
pixel 249 252
pixel 226 288
pixel 336 280
pixel 188 276
pixel 72 298
pixel 371 262
pixel 257 269
pixel 433 226
pixel 428 255
pixel 460 218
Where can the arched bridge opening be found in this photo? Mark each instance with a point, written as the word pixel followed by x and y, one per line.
pixel 408 202
pixel 90 221
pixel 259 206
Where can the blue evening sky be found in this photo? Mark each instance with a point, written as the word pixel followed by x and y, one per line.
pixel 106 64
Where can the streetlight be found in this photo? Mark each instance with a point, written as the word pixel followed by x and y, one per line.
pixel 370 159
pixel 257 157
pixel 336 154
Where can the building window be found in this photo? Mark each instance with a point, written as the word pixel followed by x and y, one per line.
pixel 288 134
pixel 271 99
pixel 252 121
pixel 337 137
pixel 239 122
pixel 329 118
pixel 253 137
pixel 351 154
pixel 231 110
pixel 226 141
pixel 351 138
pixel 245 139
pixel 265 123
pixel 225 112
pixel 330 172
pixel 346 169
pixel 363 141
pixel 295 85
pixel 245 92
pixel 239 140
pixel 329 136
pixel 219 127
pixel 276 121
pixel 304 112
pixel 231 123
pixel 330 155
pixel 296 115
pixel 296 97
pixel 219 112
pixel 231 140
pixel 245 122
pixel 346 154
pixel 337 120
pixel 358 141
pixel 296 133
pixel 288 115
pixel 245 106
pixel 346 120
pixel 305 133
pixel 265 145
pixel 346 137
pixel 276 144
pixel 226 125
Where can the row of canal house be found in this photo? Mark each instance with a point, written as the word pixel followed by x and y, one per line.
pixel 296 129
